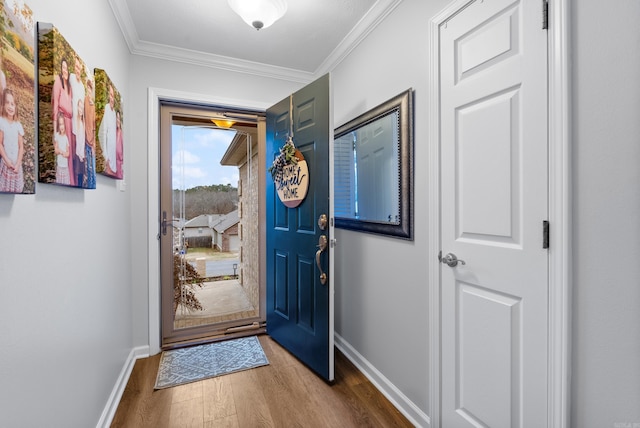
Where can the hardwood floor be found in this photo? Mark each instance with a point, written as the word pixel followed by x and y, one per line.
pixel 283 394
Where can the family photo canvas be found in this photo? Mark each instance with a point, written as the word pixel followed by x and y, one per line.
pixel 17 98
pixel 66 118
pixel 109 120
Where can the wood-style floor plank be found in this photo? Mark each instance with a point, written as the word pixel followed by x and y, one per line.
pixel 283 394
pixel 251 405
pixel 219 403
pixel 324 397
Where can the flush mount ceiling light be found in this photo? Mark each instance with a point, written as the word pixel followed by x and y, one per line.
pixel 259 13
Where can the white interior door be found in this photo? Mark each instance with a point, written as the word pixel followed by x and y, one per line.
pixel 494 179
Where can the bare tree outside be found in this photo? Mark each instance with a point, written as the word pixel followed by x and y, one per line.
pixel 213 199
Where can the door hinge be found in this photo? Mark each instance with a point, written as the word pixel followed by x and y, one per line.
pixel 545 234
pixel 545 14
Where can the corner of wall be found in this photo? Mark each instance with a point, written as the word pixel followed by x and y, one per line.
pixel 111 406
pixel 389 390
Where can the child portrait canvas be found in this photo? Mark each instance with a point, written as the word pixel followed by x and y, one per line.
pixel 66 124
pixel 109 120
pixel 17 99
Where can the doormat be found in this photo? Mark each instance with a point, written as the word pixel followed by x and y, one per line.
pixel 185 365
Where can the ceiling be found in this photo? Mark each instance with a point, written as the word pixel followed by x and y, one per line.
pixel 310 40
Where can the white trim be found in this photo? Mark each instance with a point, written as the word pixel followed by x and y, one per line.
pixel 412 412
pixel 153 194
pixel 434 217
pixel 374 16
pixel 153 222
pixel 560 253
pixel 378 12
pixel 187 56
pixel 116 394
pixel 123 16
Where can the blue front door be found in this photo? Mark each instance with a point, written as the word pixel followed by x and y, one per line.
pixel 299 298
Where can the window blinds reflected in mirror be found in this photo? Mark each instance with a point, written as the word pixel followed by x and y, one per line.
pixel 373 170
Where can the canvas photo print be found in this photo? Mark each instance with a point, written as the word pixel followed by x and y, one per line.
pixel 17 99
pixel 109 120
pixel 66 118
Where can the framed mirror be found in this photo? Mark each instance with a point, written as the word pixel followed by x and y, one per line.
pixel 373 170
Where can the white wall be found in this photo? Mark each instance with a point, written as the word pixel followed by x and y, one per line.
pixel 381 283
pixel 65 267
pixel 606 227
pixel 65 338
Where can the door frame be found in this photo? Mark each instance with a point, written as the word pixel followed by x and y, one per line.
pixel 153 194
pixel 560 252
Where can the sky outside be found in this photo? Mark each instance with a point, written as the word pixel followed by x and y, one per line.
pixel 196 157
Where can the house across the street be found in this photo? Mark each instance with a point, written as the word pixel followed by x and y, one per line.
pixel 219 231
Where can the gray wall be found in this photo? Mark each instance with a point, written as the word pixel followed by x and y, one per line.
pixel 65 338
pixel 382 292
pixel 379 309
pixel 606 226
pixel 65 266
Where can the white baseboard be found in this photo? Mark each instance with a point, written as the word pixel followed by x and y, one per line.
pixel 416 416
pixel 393 394
pixel 116 394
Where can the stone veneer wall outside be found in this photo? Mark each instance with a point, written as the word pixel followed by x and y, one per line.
pixel 249 231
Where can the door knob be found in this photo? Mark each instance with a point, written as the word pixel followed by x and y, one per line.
pixel 450 259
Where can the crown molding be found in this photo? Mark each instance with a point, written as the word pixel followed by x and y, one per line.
pixel 188 56
pixel 374 16
pixel 380 10
pixel 123 17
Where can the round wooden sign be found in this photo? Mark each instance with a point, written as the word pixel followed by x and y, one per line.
pixel 294 183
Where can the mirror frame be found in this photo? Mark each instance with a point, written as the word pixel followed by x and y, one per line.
pixel 403 104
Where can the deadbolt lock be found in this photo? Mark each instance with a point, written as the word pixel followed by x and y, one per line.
pixel 322 222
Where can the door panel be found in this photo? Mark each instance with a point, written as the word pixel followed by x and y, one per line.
pixel 494 199
pixel 306 213
pixel 489 197
pixel 299 305
pixel 487 317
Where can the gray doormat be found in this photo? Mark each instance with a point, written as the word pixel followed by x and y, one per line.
pixel 185 365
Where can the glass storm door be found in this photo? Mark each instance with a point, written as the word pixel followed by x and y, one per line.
pixel 209 239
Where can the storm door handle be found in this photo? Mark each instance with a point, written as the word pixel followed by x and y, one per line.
pixel 164 223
